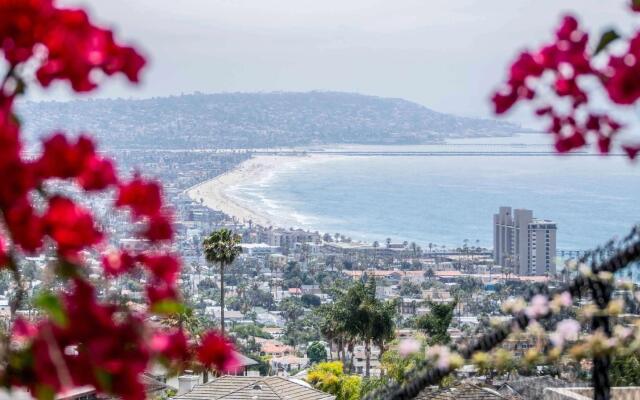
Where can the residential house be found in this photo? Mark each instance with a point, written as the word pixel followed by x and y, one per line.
pixel 274 348
pixel 251 388
pixel 287 364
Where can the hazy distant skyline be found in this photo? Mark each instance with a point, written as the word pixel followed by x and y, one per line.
pixel 447 55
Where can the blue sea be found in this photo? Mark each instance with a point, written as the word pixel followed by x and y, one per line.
pixel 445 199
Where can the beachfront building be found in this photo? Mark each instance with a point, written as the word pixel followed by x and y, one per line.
pixel 523 243
pixel 287 239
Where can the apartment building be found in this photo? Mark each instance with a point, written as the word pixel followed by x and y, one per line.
pixel 523 243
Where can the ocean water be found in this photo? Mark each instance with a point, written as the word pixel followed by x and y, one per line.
pixel 446 199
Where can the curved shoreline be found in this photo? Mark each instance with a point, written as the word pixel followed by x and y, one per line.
pixel 214 193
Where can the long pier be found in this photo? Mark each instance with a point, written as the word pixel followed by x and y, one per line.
pixel 383 153
pixel 421 153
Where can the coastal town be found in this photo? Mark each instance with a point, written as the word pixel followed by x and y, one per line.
pixel 285 285
pixel 285 200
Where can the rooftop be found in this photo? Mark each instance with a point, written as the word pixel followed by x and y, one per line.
pixel 249 387
pixel 465 391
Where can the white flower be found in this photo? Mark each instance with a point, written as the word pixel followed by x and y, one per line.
pixel 622 332
pixel 585 270
pixel 408 347
pixel 566 329
pixel 565 299
pixel 441 355
pixel 560 301
pixel 538 307
pixel 571 265
pixel 513 305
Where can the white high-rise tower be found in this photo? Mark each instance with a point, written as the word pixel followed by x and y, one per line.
pixel 523 243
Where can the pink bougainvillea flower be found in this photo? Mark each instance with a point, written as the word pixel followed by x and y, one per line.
pixel 143 197
pixel 171 345
pixel 538 307
pixel 158 228
pixel 408 347
pixel 215 351
pixel 117 262
pixel 441 355
pixel 164 267
pixel 70 226
pixel 566 330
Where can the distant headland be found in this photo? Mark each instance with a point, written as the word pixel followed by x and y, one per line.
pixel 255 120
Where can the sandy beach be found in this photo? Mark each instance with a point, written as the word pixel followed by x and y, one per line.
pixel 214 193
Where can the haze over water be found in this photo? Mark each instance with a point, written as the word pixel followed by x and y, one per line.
pixel 446 199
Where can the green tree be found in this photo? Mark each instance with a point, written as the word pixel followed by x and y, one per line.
pixel 292 309
pixel 222 247
pixel 303 330
pixel 316 352
pixel 625 370
pixel 358 316
pixel 292 275
pixel 187 320
pixel 330 378
pixel 332 329
pixel 409 288
pixel 250 330
pixel 398 367
pixel 429 273
pixel 436 322
pixel 310 300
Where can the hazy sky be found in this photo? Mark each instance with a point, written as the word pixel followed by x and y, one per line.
pixel 445 54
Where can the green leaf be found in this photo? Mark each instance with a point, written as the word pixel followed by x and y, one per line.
pixel 168 307
pixel 66 269
pixel 21 86
pixel 22 359
pixel 50 304
pixel 45 392
pixel 104 379
pixel 606 39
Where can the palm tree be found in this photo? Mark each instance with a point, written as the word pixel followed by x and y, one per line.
pixel 414 249
pixel 377 319
pixel 222 247
pixel 429 274
pixel 187 320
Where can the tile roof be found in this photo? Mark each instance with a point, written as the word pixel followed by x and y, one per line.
pixel 244 361
pixel 465 391
pixel 254 388
pixel 532 388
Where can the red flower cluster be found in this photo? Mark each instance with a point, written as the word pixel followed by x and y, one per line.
pixel 145 201
pixel 566 58
pixel 4 256
pixel 170 345
pixel 74 46
pixel 622 76
pixel 216 352
pixel 560 66
pixel 94 344
pixel 80 341
pixel 117 263
pixel 89 344
pixel 70 226
pixel 65 160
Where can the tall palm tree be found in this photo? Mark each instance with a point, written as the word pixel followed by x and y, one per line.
pixel 374 321
pixel 222 247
